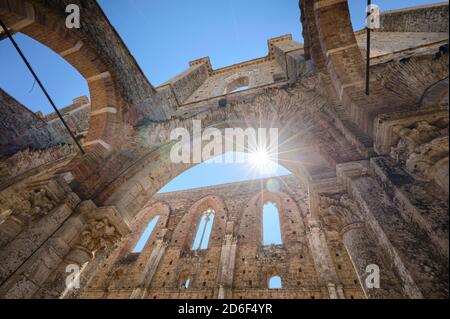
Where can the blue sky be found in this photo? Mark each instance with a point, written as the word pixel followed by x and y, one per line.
pixel 271 225
pixel 164 36
pixel 145 235
pixel 210 173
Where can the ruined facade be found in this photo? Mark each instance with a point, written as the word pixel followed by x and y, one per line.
pixel 369 182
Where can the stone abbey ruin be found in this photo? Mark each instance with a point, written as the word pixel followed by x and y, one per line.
pixel 369 173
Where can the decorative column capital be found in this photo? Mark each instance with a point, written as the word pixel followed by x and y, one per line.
pixel 103 227
pixel 98 234
pixel 340 212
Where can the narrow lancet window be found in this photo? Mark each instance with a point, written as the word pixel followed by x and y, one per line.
pixel 186 283
pixel 271 225
pixel 204 230
pixel 145 235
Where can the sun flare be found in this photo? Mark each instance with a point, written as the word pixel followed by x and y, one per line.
pixel 261 161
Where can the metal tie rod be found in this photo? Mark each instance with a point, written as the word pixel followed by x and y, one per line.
pixel 369 2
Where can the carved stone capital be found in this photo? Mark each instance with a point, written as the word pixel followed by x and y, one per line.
pixel 103 227
pixel 420 146
pixel 338 211
pixel 416 127
pixel 98 234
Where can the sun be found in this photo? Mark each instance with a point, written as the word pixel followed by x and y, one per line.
pixel 261 161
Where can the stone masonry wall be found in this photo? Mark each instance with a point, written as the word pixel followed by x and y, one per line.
pixel 430 18
pixel 20 128
pixel 237 206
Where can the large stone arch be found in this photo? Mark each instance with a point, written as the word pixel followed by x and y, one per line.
pixel 39 23
pixel 115 81
pixel 331 44
pixel 304 145
pixel 132 190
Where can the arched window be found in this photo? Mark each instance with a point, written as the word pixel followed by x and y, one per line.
pixel 186 283
pixel 271 225
pixel 241 88
pixel 145 235
pixel 239 84
pixel 275 282
pixel 204 230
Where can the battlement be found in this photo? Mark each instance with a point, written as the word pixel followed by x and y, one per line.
pixel 269 57
pixel 202 82
pixel 76 104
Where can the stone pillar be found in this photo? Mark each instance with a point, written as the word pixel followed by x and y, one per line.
pixel 32 278
pixel 227 263
pixel 150 267
pixel 423 273
pixel 42 209
pixel 102 229
pixel 363 251
pixel 88 231
pixel 361 247
pixel 80 257
pixel 424 204
pixel 319 249
pixel 323 261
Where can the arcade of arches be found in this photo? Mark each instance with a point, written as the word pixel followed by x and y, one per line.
pixel 368 184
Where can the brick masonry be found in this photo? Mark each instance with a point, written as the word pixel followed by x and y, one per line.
pixel 369 183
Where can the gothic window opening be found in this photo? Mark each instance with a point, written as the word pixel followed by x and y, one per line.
pixel 145 235
pixel 239 84
pixel 204 230
pixel 186 283
pixel 271 225
pixel 275 282
pixel 241 88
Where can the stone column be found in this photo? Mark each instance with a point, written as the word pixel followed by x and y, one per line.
pixel 363 251
pixel 361 247
pixel 150 267
pixel 99 229
pixel 33 277
pixel 37 214
pixel 79 257
pixel 227 263
pixel 423 273
pixel 11 224
pixel 323 261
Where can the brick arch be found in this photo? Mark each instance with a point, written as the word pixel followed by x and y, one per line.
pixel 191 221
pixel 41 24
pixel 331 43
pixel 140 182
pixel 288 212
pixel 110 107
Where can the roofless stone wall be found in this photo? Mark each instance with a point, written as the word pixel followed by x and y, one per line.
pixel 429 18
pixel 20 128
